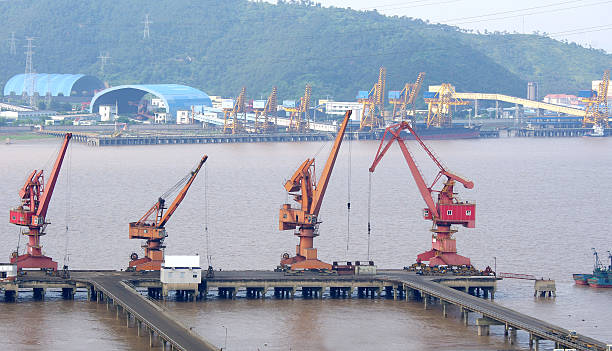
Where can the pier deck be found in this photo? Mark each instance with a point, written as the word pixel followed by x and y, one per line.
pixel 119 289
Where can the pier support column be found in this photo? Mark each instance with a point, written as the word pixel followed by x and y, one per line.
pixel 512 336
pixel 68 293
pixel 483 330
pixel 39 293
pixel 11 295
pixel 444 314
pixel 466 315
pixel 425 298
pixel 394 292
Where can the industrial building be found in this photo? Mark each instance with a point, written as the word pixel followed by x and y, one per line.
pixel 67 87
pixel 167 101
pixel 339 108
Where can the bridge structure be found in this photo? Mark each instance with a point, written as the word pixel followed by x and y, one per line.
pixel 571 111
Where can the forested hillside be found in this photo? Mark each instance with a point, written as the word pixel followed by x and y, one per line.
pixel 219 46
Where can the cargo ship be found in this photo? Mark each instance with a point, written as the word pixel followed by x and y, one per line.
pixel 601 276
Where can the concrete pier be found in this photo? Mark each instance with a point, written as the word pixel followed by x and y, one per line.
pixel 470 295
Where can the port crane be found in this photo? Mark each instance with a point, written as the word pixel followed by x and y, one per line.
pixel 597 105
pixel 444 212
pixel 152 225
pixel 310 197
pixel 440 106
pixel 35 197
pixel 269 110
pixel 373 111
pixel 404 104
pixel 231 123
pixel 299 120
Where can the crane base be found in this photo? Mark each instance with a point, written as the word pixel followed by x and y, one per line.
pixel 145 264
pixel 299 262
pixel 437 258
pixel 29 261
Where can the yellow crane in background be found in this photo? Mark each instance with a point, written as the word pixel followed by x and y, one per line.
pixel 404 103
pixel 230 116
pixel 269 110
pixel 440 106
pixel 373 111
pixel 299 120
pixel 597 106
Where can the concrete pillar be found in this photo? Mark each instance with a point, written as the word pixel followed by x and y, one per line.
pixel 466 316
pixel 483 330
pixel 424 301
pixel 512 336
pixel 394 292
pixel 151 341
pixel 444 314
pixel 39 293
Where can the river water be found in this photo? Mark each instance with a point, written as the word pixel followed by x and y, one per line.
pixel 542 204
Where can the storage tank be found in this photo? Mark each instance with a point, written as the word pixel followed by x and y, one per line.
pixel 532 91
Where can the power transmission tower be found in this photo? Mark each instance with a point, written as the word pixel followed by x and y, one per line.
pixel 12 46
pixel 147 22
pixel 103 59
pixel 29 79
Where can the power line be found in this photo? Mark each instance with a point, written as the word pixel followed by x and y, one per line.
pixel 582 30
pixel 414 6
pixel 510 11
pixel 534 13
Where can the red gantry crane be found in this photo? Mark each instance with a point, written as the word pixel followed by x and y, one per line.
pixel 32 212
pixel 302 187
pixel 152 228
pixel 444 212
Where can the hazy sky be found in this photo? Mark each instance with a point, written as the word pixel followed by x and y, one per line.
pixel 588 22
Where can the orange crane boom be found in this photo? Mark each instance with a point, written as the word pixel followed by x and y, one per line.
pixel 444 212
pixel 35 199
pixel 153 230
pixel 310 197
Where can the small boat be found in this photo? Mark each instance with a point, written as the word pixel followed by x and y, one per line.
pixel 601 277
pixel 598 131
pixel 582 279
